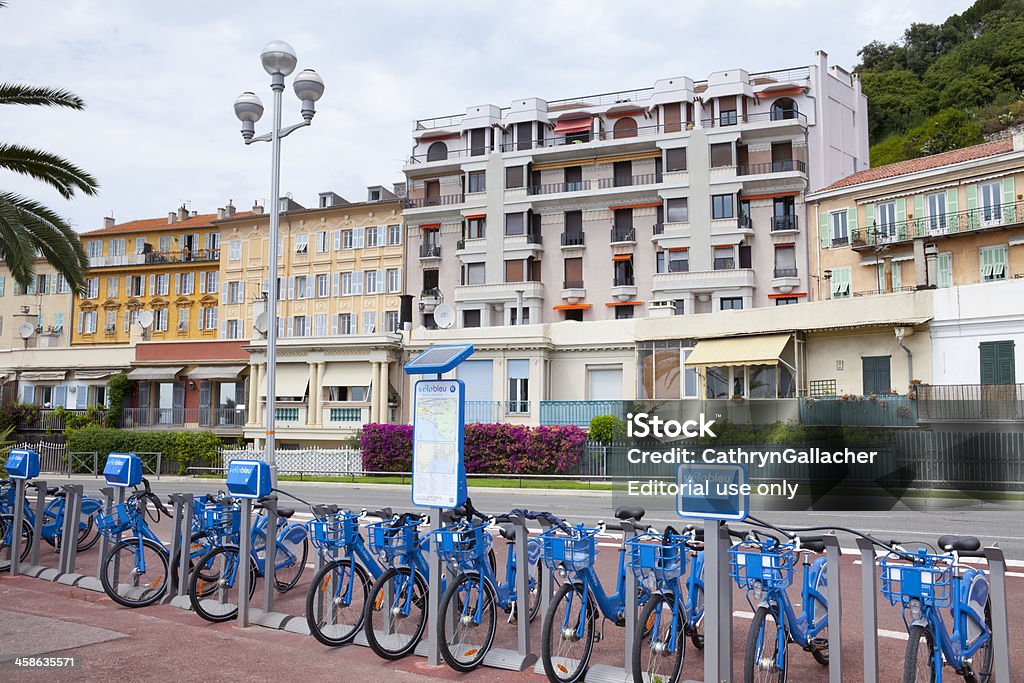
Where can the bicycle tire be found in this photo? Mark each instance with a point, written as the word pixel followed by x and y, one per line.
pixel 752 655
pixel 375 604
pixel 199 541
pixel 554 669
pixel 6 523
pixel 461 656
pixel 985 675
pixel 821 585
pixel 331 634
pixel 697 630
pixel 288 538
pixel 223 558
pixel 89 535
pixel 112 561
pixel 646 633
pixel 912 661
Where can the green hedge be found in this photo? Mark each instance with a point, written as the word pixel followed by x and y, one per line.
pixel 186 448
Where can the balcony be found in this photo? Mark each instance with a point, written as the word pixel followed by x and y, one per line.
pixel 484 412
pixel 430 251
pixel 155 258
pixel 883 411
pixel 786 223
pixel 573 291
pixel 623 235
pixel 771 118
pixel 783 166
pixel 498 292
pixel 785 272
pixel 572 240
pixel 941 225
pixel 476 245
pixel 658 229
pixel 51 420
pixel 703 280
pixel 970 402
pixel 217 419
pixel 426 202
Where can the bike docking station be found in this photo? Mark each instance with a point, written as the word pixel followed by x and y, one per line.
pixel 22 465
pixel 121 472
pixel 249 480
pixel 181 538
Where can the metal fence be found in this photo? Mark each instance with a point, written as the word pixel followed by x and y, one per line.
pixel 487 412
pixel 971 402
pixel 877 411
pixel 301 462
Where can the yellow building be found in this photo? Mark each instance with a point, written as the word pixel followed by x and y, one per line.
pixel 340 280
pixel 168 267
pixel 955 218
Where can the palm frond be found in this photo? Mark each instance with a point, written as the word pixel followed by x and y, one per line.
pixel 28 227
pixel 55 171
pixel 32 95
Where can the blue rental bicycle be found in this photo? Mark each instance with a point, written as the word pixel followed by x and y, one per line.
pixel 468 608
pixel 765 568
pixel 675 609
pixel 926 583
pixel 136 570
pixel 52 527
pixel 568 632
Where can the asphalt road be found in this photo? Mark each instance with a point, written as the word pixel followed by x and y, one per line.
pixel 991 522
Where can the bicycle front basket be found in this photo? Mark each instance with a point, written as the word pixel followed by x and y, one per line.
pixel 390 541
pixel 333 532
pixel 463 544
pixel 116 520
pixel 929 579
pixel 655 559
pixel 223 520
pixel 575 551
pixel 769 564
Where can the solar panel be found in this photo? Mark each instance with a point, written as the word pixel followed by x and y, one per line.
pixel 438 359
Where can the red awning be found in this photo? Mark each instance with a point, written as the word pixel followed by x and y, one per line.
pixel 622 257
pixel 476 215
pixel 624 303
pixel 573 126
pixel 791 295
pixel 571 307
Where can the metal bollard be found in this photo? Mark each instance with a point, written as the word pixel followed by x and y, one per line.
pixel 547 587
pixel 833 558
pixel 1000 621
pixel 523 592
pixel 869 608
pixel 717 605
pixel 243 563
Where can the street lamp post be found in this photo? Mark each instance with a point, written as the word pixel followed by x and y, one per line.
pixel 279 61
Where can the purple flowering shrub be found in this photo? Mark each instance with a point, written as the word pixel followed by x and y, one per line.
pixel 490 448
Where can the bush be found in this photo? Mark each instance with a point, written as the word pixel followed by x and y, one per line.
pixel 489 448
pixel 117 391
pixel 606 428
pixel 18 414
pixel 186 448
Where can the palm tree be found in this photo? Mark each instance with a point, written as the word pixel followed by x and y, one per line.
pixel 28 228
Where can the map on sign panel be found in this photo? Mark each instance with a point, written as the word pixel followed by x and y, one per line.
pixel 437 441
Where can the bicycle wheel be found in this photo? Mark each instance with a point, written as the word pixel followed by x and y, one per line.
pixel 763 662
pixel 655 657
pixel 919 662
pixel 980 670
pixel 696 625
pixel 534 583
pixel 564 650
pixel 336 602
pixel 221 603
pixel 396 612
pixel 134 574
pixel 199 546
pixel 290 560
pixel 88 532
pixel 468 614
pixel 819 645
pixel 6 538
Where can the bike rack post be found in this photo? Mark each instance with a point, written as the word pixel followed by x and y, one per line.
pixel 243 563
pixel 717 604
pixel 267 616
pixel 19 515
pixel 108 502
pixel 434 591
pixel 69 534
pixel 868 608
pixel 184 543
pixel 34 569
pixel 522 657
pixel 178 546
pixel 833 559
pixel 1000 621
pixel 547 589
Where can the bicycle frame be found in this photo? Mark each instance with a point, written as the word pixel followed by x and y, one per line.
pixel 611 606
pixel 952 645
pixel 800 627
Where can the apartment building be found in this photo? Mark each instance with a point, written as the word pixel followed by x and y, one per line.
pixel 340 278
pixel 45 305
pixel 687 193
pixel 168 267
pixel 938 221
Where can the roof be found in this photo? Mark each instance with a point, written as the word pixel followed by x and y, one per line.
pixel 901 168
pixel 157 224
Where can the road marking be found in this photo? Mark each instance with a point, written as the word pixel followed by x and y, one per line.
pixel 882 633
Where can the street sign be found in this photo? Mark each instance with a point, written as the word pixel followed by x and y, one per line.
pixel 719 492
pixel 439 422
pixel 123 470
pixel 22 464
pixel 248 479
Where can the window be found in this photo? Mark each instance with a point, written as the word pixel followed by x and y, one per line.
pixel 347 239
pixel 320 325
pixel 87 322
pixel 370 277
pixel 573 177
pixel 94 248
pixel 323 285
pixel 303 285
pixel 624 312
pixel 301 243
pixel 476 228
pixel 678 260
pixel 785 260
pixel 783 108
pixel 841 283
pixel 723 206
pixel 515 224
pixel 110 322
pixel 840 235
pixel 514 270
pixel 991 203
pixel 725 258
pixel 183 318
pixel 513 317
pixel 514 177
pixel 188 283
pixel 660 261
pixel 118 247
pixel 430 280
pixel 235 250
pixel 92 288
pixel 165 243
pixel 323 243
pixel 997 362
pixel 885 221
pixel 438 151
pixel 573 314
pixel 727 117
pixel 622 273
pixel 391 321
pixel 163 284
pixel 394 280
pixel 731 303
pixel 394 235
pixel 58 322
pixel 945 269
pixel 993 263
pixel 208 318
pixel 477 141
pixel 301 326
pixel 160 320
pixel 369 322
pixel 372 236
pixel 42 283
pixel 721 154
pixel 211 280
pixel 346 284
pixel 471 318
pixel 876 375
pixel 518 386
pixel 474 274
pixel 477 181
pixel 678 210
pixel 573 272
pixel 675 159
pixel 345 323
pixel 787 300
pixel 3 284
pixel 937 211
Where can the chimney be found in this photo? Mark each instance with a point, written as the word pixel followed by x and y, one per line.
pixel 1018 141
pixel 257 208
pixel 109 222
pixel 172 217
pixel 182 213
pixel 221 213
pixel 193 213
pixel 229 210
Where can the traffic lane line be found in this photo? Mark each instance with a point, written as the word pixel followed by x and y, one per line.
pixel 882 633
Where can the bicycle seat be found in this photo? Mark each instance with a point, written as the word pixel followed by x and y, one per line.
pixel 508 531
pixel 634 512
pixel 967 543
pixel 285 513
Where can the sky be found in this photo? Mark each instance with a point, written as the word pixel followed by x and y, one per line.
pixel 159 79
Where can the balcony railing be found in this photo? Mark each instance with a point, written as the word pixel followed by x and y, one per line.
pixel 658 229
pixel 745 223
pixel 782 166
pixel 598 184
pixel 738 118
pixel 971 402
pixel 876 292
pixel 780 223
pixel 214 418
pixel 533 237
pixel 785 272
pixel 572 284
pixel 878 411
pixel 155 258
pixel 572 239
pixel 430 251
pixel 286 414
pixel 623 234
pixel 443 200
pixel 624 281
pixel 517 407
pixel 51 419
pixel 939 225
pixel 487 412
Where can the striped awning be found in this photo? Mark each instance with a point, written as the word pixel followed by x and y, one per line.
pixel 763 350
pixel 156 373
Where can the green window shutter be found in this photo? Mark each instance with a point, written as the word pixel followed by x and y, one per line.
pixel 823 230
pixel 897 276
pixel 945 274
pixel 880 272
pixel 919 207
pixel 972 197
pixel 851 221
pixel 997 362
pixel 869 216
pixel 1008 190
pixel 952 202
pixel 901 209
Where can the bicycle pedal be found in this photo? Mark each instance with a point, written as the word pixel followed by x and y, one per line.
pixel 818 644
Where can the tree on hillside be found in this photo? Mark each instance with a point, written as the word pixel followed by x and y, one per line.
pixel 28 228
